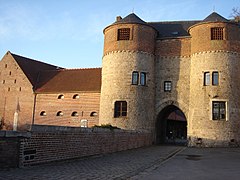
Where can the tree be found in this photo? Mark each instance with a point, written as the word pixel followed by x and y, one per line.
pixel 236 14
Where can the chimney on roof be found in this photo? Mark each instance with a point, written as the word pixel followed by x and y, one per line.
pixel 118 18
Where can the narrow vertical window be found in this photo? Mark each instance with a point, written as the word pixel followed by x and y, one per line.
pixel 143 78
pixel 5 65
pixel 120 109
pixel 215 78
pixel 219 110
pixel 123 34
pixel 135 78
pixel 206 79
pixel 167 86
pixel 217 33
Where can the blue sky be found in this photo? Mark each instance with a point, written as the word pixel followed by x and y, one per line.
pixel 69 33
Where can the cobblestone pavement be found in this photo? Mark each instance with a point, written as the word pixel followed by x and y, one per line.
pixel 121 165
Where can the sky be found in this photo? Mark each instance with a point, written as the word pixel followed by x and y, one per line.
pixel 69 33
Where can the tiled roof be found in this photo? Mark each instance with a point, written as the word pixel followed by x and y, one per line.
pixel 215 17
pixel 172 28
pixel 131 18
pixel 48 78
pixel 70 80
pixel 31 68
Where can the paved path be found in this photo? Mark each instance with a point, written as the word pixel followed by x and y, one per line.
pixel 121 165
pixel 197 164
pixel 151 163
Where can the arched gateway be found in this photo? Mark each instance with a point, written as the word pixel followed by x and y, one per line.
pixel 171 126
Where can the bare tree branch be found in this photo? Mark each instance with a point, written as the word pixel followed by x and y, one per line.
pixel 236 14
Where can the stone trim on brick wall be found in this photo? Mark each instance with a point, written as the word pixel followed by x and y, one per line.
pixel 217 51
pixel 128 51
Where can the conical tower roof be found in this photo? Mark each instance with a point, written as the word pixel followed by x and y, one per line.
pixel 215 17
pixel 132 19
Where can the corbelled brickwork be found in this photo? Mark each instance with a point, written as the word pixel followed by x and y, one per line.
pixel 136 43
pixel 200 120
pixel 176 62
pixel 177 80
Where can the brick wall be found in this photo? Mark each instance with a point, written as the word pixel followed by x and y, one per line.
pixel 142 38
pixel 86 105
pixel 54 143
pixel 9 148
pixel 16 93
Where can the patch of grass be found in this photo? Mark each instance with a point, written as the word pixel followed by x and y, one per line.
pixel 107 126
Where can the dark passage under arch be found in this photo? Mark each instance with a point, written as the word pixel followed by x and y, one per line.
pixel 171 126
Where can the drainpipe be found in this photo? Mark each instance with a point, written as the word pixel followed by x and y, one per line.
pixel 34 107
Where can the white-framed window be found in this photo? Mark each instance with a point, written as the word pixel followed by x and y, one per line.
pixel 84 123
pixel 167 86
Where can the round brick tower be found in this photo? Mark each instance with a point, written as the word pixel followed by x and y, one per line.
pixel 128 90
pixel 214 83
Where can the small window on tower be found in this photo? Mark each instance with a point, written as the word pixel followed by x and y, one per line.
pixel 206 79
pixel 120 109
pixel 219 110
pixel 217 33
pixel 215 78
pixel 123 34
pixel 135 78
pixel 143 78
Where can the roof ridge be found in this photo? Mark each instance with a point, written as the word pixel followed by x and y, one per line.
pixel 31 59
pixel 66 69
pixel 173 21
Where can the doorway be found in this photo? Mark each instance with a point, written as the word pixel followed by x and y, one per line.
pixel 171 126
